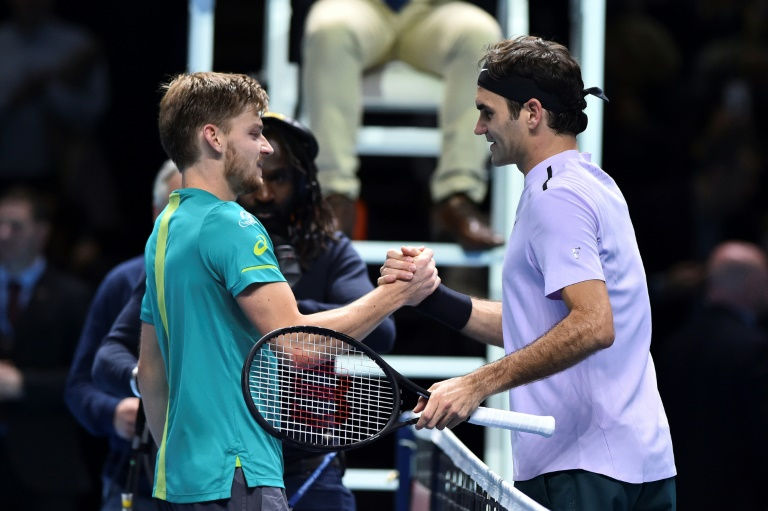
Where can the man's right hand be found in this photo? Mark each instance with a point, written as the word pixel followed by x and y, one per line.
pixel 400 265
pixel 423 278
pixel 125 417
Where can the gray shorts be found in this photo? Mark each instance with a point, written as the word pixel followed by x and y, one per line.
pixel 257 498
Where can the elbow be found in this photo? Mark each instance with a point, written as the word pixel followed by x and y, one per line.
pixel 605 337
pixel 601 329
pixel 605 333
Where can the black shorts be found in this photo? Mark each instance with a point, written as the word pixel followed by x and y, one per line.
pixel 579 490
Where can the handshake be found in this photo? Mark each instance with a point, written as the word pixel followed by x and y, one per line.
pixel 413 269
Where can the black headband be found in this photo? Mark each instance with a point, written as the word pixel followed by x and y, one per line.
pixel 521 89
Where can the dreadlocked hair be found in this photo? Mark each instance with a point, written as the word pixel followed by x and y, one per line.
pixel 311 224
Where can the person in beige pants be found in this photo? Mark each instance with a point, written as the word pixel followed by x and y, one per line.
pixel 342 39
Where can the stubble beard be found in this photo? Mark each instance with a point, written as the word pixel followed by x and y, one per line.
pixel 242 176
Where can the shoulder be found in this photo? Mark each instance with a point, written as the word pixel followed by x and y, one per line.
pixel 339 250
pixel 562 195
pixel 125 272
pixel 231 217
pixel 340 244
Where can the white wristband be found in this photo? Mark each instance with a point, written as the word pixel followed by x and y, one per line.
pixel 134 383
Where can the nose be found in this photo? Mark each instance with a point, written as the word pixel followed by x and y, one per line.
pixel 480 128
pixel 264 193
pixel 266 148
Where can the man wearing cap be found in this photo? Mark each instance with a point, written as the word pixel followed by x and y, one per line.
pixel 324 271
pixel 575 316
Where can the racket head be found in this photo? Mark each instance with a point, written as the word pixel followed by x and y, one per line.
pixel 320 390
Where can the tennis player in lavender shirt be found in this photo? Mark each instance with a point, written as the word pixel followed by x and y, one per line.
pixel 575 317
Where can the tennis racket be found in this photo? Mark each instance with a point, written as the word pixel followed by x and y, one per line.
pixel 322 390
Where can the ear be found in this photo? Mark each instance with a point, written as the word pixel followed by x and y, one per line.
pixel 212 136
pixel 535 113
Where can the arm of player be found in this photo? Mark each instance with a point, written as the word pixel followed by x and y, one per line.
pixel 338 277
pixel 153 383
pixel 586 329
pixel 272 305
pixel 484 322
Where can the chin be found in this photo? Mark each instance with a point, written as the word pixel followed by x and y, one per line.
pixel 497 162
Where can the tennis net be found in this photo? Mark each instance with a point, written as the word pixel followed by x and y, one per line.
pixel 444 475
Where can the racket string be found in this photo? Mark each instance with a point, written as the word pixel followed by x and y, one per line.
pixel 320 390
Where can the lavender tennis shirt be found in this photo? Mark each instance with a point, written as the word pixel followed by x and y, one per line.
pixel 573 225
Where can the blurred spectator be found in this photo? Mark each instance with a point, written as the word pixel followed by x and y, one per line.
pixel 446 38
pixel 54 92
pixel 713 377
pixel 42 463
pixel 729 84
pixel 729 165
pixel 643 67
pixel 100 412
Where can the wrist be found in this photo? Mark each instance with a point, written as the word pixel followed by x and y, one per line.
pixel 448 307
pixel 391 296
pixel 134 381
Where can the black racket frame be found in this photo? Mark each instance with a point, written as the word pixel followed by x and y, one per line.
pixel 396 380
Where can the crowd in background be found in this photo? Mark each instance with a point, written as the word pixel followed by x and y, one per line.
pixel 682 138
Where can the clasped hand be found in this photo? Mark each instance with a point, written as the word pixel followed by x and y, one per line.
pixel 413 268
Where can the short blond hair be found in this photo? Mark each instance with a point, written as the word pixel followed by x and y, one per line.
pixel 193 100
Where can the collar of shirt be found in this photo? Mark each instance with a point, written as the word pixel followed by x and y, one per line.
pixel 538 174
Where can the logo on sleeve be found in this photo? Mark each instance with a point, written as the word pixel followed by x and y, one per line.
pixel 261 245
pixel 575 252
pixel 246 219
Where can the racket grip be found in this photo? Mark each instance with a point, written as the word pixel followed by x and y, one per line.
pixel 543 425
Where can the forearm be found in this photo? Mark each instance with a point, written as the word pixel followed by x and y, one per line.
pixel 569 342
pixel 153 383
pixel 112 368
pixel 92 407
pixel 484 323
pixel 359 318
pixel 381 338
pixel 272 305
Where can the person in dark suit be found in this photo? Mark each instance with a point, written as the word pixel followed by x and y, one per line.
pixel 102 413
pixel 42 461
pixel 713 378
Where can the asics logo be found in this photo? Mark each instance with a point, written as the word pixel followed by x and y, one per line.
pixel 246 219
pixel 260 246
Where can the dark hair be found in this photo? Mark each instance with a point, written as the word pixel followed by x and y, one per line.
pixel 553 69
pixel 311 224
pixel 192 100
pixel 41 203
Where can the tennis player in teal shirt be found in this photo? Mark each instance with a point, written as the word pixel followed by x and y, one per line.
pixel 213 287
pixel 218 249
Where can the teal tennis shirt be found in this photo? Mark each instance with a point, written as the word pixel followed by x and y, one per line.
pixel 201 254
